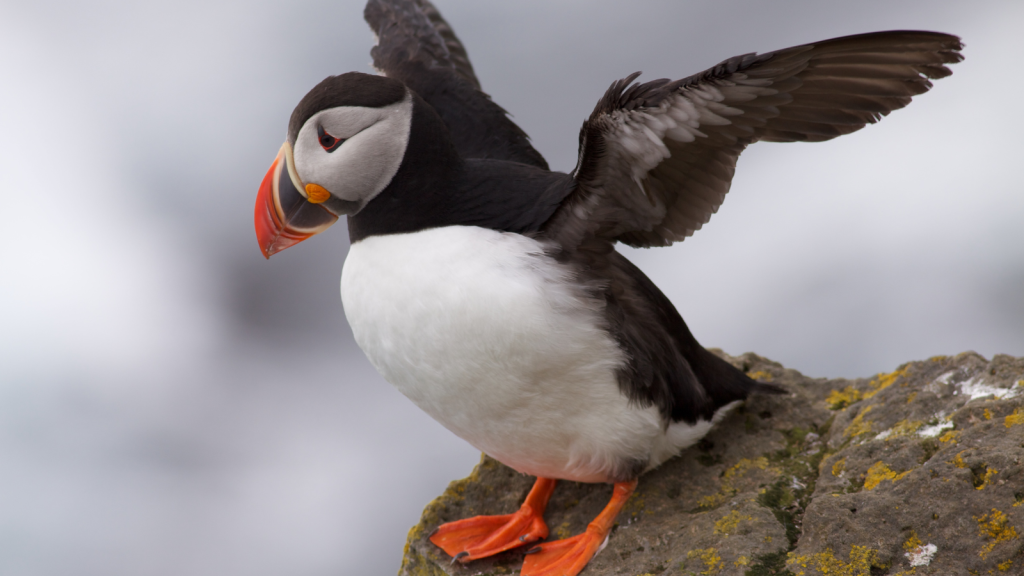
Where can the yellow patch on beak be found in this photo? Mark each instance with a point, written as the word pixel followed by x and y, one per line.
pixel 316 193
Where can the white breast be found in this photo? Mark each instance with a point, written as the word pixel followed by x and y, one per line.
pixel 490 337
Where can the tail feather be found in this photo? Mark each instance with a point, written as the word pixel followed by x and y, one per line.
pixel 723 382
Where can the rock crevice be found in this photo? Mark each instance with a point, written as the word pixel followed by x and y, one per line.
pixel 916 472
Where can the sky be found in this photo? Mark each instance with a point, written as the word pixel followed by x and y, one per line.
pixel 171 403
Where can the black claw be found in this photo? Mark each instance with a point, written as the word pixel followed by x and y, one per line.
pixel 533 550
pixel 460 556
pixel 432 532
pixel 522 538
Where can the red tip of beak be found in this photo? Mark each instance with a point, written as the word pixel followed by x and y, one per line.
pixel 271 232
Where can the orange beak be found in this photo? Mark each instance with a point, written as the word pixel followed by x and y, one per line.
pixel 284 217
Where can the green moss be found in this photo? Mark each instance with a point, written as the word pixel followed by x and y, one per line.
pixel 709 459
pixel 799 462
pixel 779 499
pixel 773 564
pixel 856 485
pixel 797 459
pixel 928 448
pixel 777 496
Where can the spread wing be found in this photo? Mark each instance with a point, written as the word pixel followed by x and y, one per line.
pixel 657 159
pixel 415 45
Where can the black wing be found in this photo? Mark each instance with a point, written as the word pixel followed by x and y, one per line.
pixel 657 159
pixel 416 46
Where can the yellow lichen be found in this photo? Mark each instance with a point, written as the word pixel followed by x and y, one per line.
pixel 905 428
pixel 1004 566
pixel 709 556
pixel 989 473
pixel 950 436
pixel 911 397
pixel 842 398
pixel 563 531
pixel 732 474
pixel 938 358
pixel 727 524
pixel 1017 417
pixel 760 375
pixel 995 526
pixel 741 561
pixel 883 381
pixel 913 542
pixel 878 473
pixel 862 559
pixel 636 503
pixel 838 467
pixel 858 426
pixel 958 461
pixel 987 414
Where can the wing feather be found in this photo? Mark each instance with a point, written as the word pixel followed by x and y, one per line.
pixel 657 159
pixel 417 46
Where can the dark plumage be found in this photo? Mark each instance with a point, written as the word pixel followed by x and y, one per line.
pixel 349 89
pixel 416 46
pixel 488 288
pixel 812 92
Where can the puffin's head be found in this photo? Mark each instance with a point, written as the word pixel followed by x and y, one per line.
pixel 346 141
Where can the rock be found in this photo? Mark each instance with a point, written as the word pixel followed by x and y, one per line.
pixel 916 472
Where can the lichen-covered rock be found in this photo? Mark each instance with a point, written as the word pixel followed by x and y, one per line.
pixel 914 472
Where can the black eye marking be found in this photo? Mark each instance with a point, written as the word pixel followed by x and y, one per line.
pixel 328 142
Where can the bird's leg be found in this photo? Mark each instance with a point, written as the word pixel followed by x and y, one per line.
pixel 483 536
pixel 568 557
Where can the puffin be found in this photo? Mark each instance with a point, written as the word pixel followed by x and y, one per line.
pixel 487 288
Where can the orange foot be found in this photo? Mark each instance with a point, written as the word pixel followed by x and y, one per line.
pixel 568 557
pixel 483 536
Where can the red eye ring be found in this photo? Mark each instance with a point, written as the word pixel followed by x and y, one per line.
pixel 327 142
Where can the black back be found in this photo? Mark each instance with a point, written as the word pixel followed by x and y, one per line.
pixel 436 187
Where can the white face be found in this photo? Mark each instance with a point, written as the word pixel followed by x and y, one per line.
pixel 373 142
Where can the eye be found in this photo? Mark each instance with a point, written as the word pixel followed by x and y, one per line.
pixel 328 142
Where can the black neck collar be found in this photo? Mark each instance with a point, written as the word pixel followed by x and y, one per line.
pixel 418 193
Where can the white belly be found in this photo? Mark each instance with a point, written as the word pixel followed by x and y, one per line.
pixel 485 334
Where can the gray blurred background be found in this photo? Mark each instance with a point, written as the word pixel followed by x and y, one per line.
pixel 172 404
